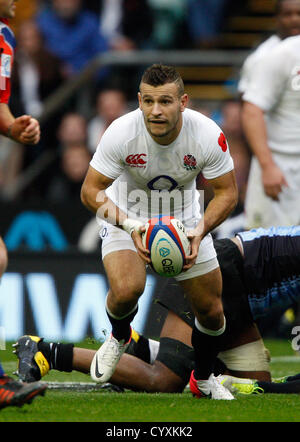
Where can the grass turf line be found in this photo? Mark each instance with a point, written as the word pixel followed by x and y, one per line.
pixel 101 406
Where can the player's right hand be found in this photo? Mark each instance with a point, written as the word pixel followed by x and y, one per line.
pixel 137 239
pixel 273 181
pixel 25 130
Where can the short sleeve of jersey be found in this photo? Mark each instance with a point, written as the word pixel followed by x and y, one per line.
pixel 218 160
pixel 268 80
pixel 107 159
pixel 245 75
pixel 249 65
pixel 7 46
pixel 5 89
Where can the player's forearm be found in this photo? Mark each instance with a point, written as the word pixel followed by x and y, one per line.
pixel 218 209
pixel 6 119
pixel 222 204
pixel 256 133
pixel 101 205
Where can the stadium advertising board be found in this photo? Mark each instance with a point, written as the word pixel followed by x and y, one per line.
pixel 61 296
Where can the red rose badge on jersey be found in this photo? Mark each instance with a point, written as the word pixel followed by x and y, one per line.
pixel 189 162
pixel 222 142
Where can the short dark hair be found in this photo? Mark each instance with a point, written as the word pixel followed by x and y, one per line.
pixel 159 74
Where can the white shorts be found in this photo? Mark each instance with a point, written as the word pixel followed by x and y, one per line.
pixel 262 211
pixel 115 239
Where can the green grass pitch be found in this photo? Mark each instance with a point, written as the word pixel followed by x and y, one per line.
pixel 101 406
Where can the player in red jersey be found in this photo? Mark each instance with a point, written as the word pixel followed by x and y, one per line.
pixel 25 130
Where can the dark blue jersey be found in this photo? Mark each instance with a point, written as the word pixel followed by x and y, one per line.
pixel 271 268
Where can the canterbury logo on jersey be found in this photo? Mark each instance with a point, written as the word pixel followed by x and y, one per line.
pixel 136 160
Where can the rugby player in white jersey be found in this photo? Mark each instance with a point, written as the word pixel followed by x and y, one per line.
pixel 271 197
pixel 271 121
pixel 287 25
pixel 144 155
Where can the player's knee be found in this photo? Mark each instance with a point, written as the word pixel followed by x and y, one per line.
pixel 126 294
pixel 211 315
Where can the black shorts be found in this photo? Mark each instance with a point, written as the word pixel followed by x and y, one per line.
pixel 234 296
pixel 272 269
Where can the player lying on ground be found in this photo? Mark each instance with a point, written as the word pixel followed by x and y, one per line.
pixel 274 253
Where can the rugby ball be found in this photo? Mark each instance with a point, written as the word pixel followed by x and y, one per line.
pixel 165 237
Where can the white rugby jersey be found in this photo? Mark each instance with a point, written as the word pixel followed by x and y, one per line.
pixel 275 88
pixel 251 61
pixel 151 178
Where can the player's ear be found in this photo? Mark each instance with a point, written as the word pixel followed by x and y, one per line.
pixel 140 100
pixel 183 102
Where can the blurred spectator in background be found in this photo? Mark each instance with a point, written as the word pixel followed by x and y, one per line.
pixel 233 129
pixel 200 106
pixel 71 33
pixel 66 178
pixel 111 104
pixel 26 10
pixel 66 184
pixel 231 124
pixel 127 24
pixel 36 75
pixel 169 24
pixel 37 71
pixel 205 18
pixel 72 130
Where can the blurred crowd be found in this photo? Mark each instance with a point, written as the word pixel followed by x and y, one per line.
pixel 56 40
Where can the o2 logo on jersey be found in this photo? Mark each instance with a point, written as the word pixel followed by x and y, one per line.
pixel 163 182
pixel 222 142
pixel 296 78
pixel 137 160
pixel 189 162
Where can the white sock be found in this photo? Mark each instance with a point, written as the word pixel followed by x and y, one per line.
pixel 153 347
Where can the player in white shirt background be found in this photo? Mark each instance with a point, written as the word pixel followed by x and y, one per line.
pixel 161 148
pixel 271 123
pixel 287 25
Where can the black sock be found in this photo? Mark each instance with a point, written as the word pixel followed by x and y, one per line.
pixel 283 388
pixel 140 349
pixel 294 377
pixel 206 349
pixel 121 328
pixel 59 356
